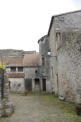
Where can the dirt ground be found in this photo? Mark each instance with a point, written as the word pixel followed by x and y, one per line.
pixel 38 108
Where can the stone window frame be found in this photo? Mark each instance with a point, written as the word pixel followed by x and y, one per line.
pixel 58 40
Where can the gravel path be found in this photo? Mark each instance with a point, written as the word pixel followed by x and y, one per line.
pixel 34 108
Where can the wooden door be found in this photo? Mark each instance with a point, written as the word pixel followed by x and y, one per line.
pixel 28 84
pixel 44 84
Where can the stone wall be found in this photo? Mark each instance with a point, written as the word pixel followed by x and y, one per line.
pixel 30 72
pixel 53 61
pixel 65 43
pixel 15 53
pixel 45 59
pixel 43 49
pixel 6 107
pixel 69 68
pixel 17 85
pixel 18 79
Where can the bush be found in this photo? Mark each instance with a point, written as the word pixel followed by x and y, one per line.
pixel 78 109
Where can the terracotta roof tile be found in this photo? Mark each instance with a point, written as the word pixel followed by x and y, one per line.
pixel 26 60
pixel 31 59
pixel 12 61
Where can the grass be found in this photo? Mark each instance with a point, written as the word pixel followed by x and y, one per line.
pixel 66 107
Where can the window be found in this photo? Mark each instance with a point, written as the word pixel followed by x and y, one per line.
pixel 20 69
pixel 58 40
pixel 13 69
pixel 52 71
pixel 43 61
pixel 36 71
pixel 37 82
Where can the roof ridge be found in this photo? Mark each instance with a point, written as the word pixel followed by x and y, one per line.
pixel 70 12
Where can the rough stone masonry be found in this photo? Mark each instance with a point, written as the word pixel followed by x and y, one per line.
pixel 64 44
pixel 6 107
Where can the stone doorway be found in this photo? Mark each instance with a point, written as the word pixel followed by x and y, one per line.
pixel 37 84
pixel 44 84
pixel 28 84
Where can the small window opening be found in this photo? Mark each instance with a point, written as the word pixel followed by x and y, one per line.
pixel 43 61
pixel 58 40
pixel 13 69
pixel 20 69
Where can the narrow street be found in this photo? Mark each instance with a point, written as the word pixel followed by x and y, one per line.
pixel 38 108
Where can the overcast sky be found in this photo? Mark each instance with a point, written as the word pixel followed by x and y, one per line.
pixel 23 22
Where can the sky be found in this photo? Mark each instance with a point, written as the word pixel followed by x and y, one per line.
pixel 24 22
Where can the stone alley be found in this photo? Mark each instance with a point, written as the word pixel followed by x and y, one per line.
pixel 41 108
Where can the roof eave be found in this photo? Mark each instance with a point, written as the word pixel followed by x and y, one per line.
pixel 52 18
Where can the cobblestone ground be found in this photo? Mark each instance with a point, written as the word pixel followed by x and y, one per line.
pixel 35 108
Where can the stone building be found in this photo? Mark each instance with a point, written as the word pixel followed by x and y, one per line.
pixel 64 39
pixel 23 70
pixel 32 77
pixel 14 68
pixel 44 62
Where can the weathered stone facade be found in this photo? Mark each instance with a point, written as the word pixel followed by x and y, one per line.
pixel 6 107
pixel 44 61
pixel 64 38
pixel 23 70
pixel 16 79
pixel 17 85
pixel 31 74
pixel 65 43
pixel 14 53
pixel 69 66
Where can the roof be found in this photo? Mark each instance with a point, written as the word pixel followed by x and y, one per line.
pixel 31 59
pixel 42 38
pixel 12 61
pixel 14 52
pixel 52 18
pixel 26 60
pixel 16 75
pixel 67 13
